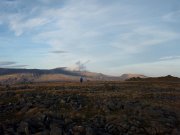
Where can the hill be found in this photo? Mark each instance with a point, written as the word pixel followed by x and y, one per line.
pixel 11 76
pixel 128 76
pixel 167 78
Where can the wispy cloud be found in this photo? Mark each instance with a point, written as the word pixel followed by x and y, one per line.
pixel 170 58
pixel 7 63
pixel 143 37
pixel 173 16
pixel 9 0
pixel 16 66
pixel 11 64
pixel 19 25
pixel 59 52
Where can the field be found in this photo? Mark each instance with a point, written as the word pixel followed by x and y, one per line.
pixel 91 108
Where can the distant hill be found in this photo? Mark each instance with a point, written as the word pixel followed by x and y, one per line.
pixel 7 71
pixel 11 76
pixel 128 76
pixel 159 79
pixel 165 78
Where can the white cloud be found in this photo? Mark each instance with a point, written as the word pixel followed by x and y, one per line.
pixel 170 58
pixel 141 38
pixel 172 16
pixel 20 25
pixel 79 28
pixel 7 63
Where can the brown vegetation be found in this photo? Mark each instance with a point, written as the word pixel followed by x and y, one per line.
pixel 91 108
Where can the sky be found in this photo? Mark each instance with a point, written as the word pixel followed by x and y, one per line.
pixel 109 36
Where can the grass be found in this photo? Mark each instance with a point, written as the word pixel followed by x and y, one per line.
pixel 140 99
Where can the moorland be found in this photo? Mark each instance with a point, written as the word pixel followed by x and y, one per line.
pixel 131 107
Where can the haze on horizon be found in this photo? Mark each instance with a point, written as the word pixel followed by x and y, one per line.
pixel 115 37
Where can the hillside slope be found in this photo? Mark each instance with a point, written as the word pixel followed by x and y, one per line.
pixel 11 76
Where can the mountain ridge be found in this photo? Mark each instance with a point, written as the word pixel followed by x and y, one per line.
pixel 11 75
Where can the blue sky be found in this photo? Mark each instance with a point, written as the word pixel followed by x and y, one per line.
pixel 114 36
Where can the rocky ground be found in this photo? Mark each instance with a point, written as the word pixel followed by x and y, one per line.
pixel 101 108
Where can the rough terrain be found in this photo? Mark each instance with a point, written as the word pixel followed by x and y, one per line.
pixel 91 108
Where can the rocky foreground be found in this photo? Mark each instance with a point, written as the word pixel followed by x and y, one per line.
pixel 113 108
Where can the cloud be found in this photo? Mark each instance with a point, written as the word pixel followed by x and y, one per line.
pixel 96 27
pixel 77 31
pixel 7 63
pixel 11 64
pixel 172 16
pixel 68 25
pixel 11 0
pixel 170 58
pixel 58 52
pixel 17 66
pixel 93 31
pixel 21 16
pixel 103 32
pixel 20 25
pixel 141 38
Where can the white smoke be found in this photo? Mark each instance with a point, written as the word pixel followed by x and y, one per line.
pixel 81 66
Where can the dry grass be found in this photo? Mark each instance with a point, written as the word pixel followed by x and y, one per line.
pixel 141 100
